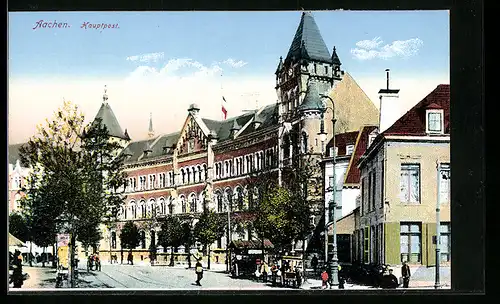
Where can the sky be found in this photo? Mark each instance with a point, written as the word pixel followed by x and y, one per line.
pixel 161 62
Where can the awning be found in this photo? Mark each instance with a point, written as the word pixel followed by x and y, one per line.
pixel 253 244
pixel 13 241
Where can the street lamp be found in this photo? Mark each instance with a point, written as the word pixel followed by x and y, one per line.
pixel 332 205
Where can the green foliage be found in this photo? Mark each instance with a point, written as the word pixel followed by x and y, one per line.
pixel 171 233
pixel 209 228
pixel 75 178
pixel 18 226
pixel 129 236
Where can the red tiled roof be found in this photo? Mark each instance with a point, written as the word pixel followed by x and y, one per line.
pixel 342 140
pixel 353 174
pixel 413 122
pixel 253 244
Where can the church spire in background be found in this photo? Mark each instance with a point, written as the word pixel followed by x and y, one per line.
pixel 151 132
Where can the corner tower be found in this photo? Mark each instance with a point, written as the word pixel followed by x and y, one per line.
pixel 308 59
pixel 108 118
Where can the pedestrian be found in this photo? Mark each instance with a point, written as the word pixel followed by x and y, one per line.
pixel 130 258
pixel 17 273
pixel 324 279
pixel 405 273
pixel 97 262
pixel 199 272
pixel 265 270
pixel 392 281
pixel 314 263
pixel 341 278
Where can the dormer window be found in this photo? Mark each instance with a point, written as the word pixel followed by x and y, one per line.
pixel 326 70
pixel 349 149
pixel 371 138
pixel 435 121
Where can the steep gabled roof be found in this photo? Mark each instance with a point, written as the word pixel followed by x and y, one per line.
pixel 353 174
pixel 109 120
pixel 342 140
pixel 308 43
pixel 413 122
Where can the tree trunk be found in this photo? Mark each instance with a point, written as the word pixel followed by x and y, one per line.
pixel 29 257
pixel 43 257
pixel 72 261
pixel 172 256
pixel 54 255
pixel 189 256
pixel 208 262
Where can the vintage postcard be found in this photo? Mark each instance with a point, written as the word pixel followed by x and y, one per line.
pixel 229 150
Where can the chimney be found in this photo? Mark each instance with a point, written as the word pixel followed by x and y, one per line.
pixel 387 70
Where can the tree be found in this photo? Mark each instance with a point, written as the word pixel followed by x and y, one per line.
pixel 171 234
pixel 18 226
pixel 79 166
pixel 129 236
pixel 188 239
pixel 208 229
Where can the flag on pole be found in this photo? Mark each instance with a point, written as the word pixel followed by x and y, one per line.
pixel 224 110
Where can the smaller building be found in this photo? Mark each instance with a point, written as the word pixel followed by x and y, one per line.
pixel 400 184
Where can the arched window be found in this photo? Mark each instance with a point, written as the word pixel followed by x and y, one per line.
pixel 143 239
pixel 200 175
pixel 171 207
pixel 113 240
pixel 153 238
pixel 143 209
pixel 220 204
pixel 192 203
pixel 205 171
pixel 228 200
pixel 153 208
pixel 188 170
pixel 133 209
pixel 304 142
pixel 162 206
pixel 183 176
pixel 183 204
pixel 239 197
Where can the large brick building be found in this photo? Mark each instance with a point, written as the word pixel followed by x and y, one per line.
pixel 209 162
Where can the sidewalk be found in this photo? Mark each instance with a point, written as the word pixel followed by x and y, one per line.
pixel 317 284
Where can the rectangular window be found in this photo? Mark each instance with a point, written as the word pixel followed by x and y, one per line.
pixel 410 183
pixel 326 70
pixel 370 192
pixel 444 187
pixel 366 245
pixel 410 241
pixel 374 187
pixel 435 121
pixel 349 149
pixel 363 194
pixel 445 242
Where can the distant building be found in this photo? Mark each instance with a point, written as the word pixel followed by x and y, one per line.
pixel 17 177
pixel 399 184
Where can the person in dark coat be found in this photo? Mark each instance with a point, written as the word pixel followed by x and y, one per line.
pixel 199 272
pixel 391 280
pixel 405 273
pixel 17 272
pixel 314 263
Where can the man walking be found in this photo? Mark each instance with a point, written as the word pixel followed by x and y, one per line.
pixel 314 263
pixel 199 272
pixel 405 273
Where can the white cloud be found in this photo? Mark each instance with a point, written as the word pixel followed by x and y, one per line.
pixel 235 64
pixel 151 57
pixel 167 92
pixel 371 49
pixel 369 44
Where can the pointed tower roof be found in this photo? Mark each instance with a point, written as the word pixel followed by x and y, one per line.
pixel 335 57
pixel 280 66
pixel 108 118
pixel 312 100
pixel 308 41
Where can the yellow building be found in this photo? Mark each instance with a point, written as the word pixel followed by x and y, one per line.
pixel 399 184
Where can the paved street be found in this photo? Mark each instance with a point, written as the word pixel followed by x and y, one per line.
pixel 164 277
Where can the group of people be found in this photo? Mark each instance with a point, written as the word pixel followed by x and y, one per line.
pixel 392 281
pixel 94 260
pixel 16 265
